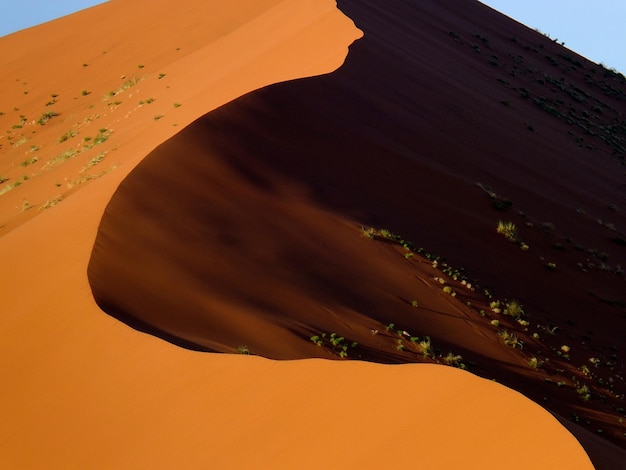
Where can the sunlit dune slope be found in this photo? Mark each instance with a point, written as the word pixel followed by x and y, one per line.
pixel 120 74
pixel 148 404
pixel 243 232
pixel 84 99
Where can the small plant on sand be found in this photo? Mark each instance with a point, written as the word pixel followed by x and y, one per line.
pixel 9 187
pixel 524 323
pixel 564 355
pixel 25 205
pixel 90 142
pixel 103 135
pixel 337 343
pixel 369 232
pixel 508 229
pixel 513 309
pixel 177 105
pixel 29 161
pixel 426 347
pixel 51 203
pixel 595 361
pixel 131 82
pixel 336 340
pixel 511 339
pixel 95 160
pixel 242 349
pixel 584 392
pixel 157 117
pixel 454 360
pixel 69 153
pixel 68 135
pixel 535 363
pixel 45 117
pixel 318 340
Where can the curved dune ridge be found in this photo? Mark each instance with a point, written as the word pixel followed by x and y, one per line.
pixel 242 232
pixel 83 390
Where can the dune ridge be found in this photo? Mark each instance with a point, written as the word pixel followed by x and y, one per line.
pixel 263 252
pixel 85 390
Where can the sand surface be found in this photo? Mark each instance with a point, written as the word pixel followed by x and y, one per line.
pixel 270 191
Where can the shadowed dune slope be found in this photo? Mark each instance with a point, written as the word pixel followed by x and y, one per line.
pixel 242 232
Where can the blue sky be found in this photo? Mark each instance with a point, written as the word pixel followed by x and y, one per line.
pixel 595 29
pixel 21 14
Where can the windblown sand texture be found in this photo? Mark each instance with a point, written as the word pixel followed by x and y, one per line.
pixel 208 174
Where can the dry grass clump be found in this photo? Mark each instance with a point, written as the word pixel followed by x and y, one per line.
pixel 508 229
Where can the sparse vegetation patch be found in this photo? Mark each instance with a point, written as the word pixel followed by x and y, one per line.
pixel 68 135
pixel 45 117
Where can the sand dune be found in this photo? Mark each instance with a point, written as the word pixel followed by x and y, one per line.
pixel 284 177
pixel 86 390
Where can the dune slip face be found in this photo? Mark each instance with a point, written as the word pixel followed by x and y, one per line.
pixel 268 225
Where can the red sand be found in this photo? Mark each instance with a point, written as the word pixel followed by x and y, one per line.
pixel 86 390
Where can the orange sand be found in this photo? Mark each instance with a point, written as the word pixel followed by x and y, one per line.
pixel 82 389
